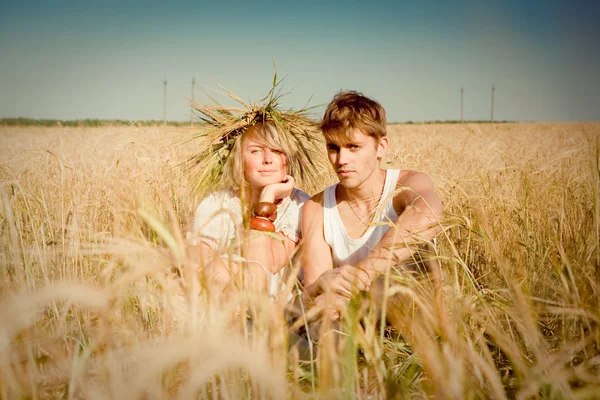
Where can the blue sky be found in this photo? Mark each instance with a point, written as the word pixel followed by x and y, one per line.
pixel 71 59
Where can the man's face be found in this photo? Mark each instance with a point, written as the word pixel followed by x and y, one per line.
pixel 356 161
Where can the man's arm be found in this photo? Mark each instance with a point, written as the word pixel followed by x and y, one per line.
pixel 315 253
pixel 319 275
pixel 419 222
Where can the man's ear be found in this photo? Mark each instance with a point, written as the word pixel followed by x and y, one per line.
pixel 382 146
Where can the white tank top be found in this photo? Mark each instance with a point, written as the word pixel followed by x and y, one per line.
pixel 352 251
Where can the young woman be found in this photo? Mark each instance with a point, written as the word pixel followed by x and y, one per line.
pixel 263 197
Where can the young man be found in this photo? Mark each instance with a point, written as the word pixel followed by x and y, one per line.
pixel 373 218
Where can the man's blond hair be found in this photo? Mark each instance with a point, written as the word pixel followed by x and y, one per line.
pixel 350 111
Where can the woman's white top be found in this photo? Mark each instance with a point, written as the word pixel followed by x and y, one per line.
pixel 352 251
pixel 219 216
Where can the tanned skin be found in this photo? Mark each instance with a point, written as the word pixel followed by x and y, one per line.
pixel 362 179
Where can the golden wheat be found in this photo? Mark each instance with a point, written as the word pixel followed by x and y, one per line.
pixel 93 221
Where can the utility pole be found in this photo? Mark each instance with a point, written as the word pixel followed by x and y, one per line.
pixel 191 112
pixel 461 104
pixel 492 116
pixel 165 104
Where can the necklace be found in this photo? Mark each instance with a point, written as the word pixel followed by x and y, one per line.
pixel 371 214
pixel 360 220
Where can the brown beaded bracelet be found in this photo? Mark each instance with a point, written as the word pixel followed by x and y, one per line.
pixel 261 224
pixel 265 209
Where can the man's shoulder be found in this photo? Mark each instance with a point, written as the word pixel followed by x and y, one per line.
pixel 410 186
pixel 316 200
pixel 312 215
pixel 319 197
pixel 410 178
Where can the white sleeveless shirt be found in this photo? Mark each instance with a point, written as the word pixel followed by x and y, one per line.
pixel 352 251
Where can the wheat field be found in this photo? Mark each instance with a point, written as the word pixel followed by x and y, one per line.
pixel 93 222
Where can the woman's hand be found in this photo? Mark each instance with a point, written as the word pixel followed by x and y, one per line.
pixel 280 190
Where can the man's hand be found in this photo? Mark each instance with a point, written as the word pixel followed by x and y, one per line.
pixel 279 190
pixel 335 288
pixel 333 305
pixel 344 281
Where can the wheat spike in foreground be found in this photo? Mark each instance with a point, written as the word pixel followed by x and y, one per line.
pixel 92 227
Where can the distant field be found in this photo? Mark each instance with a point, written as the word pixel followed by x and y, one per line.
pixel 95 123
pixel 83 123
pixel 92 221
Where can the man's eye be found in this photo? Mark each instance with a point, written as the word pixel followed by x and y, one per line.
pixel 332 147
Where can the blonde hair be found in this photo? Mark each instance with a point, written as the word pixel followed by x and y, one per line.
pixel 350 111
pixel 266 133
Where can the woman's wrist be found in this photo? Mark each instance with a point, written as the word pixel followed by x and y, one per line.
pixel 267 195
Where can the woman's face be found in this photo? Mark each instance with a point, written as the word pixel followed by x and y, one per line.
pixel 262 165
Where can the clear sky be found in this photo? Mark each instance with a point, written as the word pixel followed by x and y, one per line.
pixel 77 59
